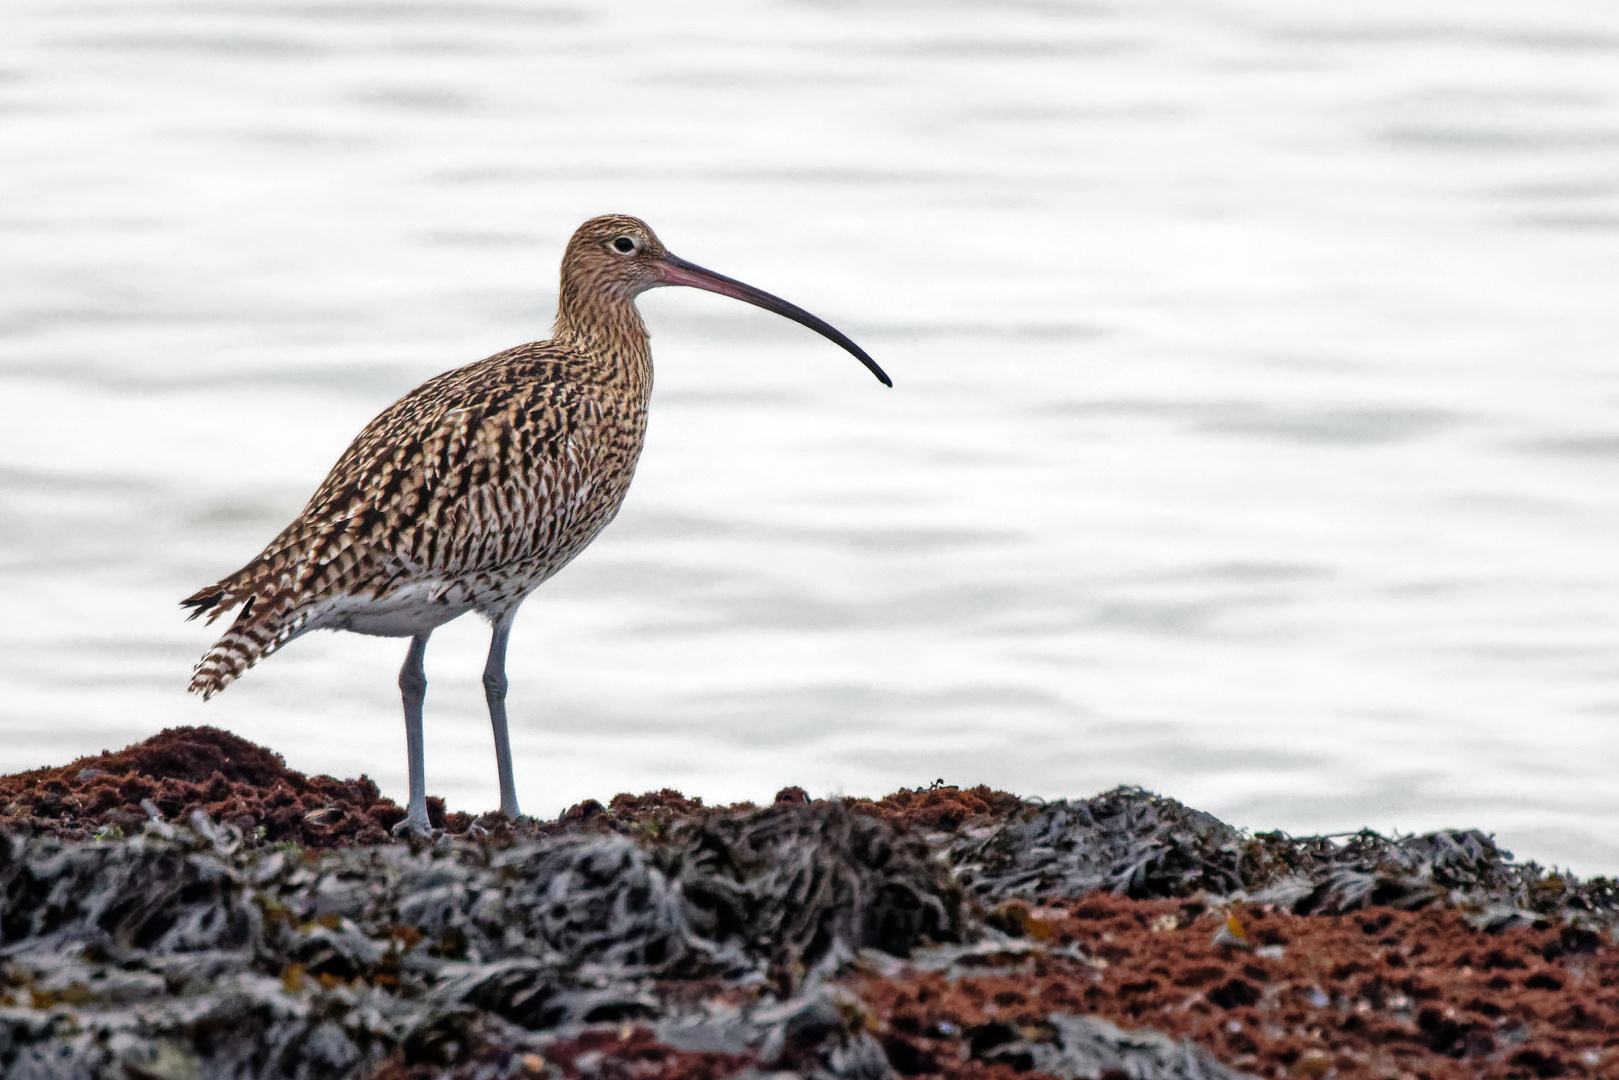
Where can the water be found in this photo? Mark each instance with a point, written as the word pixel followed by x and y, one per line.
pixel 1254 437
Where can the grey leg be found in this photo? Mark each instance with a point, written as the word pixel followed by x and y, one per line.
pixel 494 691
pixel 413 687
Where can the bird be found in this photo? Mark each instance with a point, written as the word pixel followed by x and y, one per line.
pixel 474 488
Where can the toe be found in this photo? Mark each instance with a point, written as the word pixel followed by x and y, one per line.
pixel 414 827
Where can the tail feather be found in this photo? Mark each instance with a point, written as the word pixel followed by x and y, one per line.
pixel 231 655
pixel 279 592
pixel 270 617
pixel 248 641
pixel 214 601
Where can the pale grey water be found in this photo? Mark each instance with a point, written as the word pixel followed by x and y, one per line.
pixel 1254 437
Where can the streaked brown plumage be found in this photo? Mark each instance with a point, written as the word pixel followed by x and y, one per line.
pixel 482 482
pixel 471 490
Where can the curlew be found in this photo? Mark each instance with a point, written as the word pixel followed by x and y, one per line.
pixel 469 491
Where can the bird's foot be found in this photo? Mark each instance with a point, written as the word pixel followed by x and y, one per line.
pixel 415 825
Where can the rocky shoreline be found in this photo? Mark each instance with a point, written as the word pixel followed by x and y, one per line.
pixel 190 907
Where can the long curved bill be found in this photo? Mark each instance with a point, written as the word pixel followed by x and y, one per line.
pixel 677 271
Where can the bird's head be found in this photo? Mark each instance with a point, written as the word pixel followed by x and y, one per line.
pixel 619 257
pixel 613 254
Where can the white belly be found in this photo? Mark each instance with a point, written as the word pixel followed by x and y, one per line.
pixel 407 611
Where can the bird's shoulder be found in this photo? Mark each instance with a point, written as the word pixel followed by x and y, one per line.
pixel 543 378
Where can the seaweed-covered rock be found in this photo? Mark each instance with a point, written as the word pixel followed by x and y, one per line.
pixel 1083 1046
pixel 1464 868
pixel 539 997
pixel 657 938
pixel 807 884
pixel 137 895
pixel 598 899
pixel 186 769
pixel 280 962
pixel 1126 841
pixel 1133 843
pixel 1315 874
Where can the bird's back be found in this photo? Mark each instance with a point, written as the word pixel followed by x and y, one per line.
pixel 463 495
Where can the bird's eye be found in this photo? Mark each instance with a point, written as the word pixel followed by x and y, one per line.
pixel 624 245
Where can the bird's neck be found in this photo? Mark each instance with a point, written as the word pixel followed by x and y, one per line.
pixel 603 325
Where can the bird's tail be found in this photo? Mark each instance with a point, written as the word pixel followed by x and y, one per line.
pixel 270 617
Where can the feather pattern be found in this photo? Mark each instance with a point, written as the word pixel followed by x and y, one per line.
pixel 464 495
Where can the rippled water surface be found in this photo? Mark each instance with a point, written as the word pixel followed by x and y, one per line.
pixel 1254 437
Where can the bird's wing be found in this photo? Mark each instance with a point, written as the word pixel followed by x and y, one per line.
pixel 473 469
